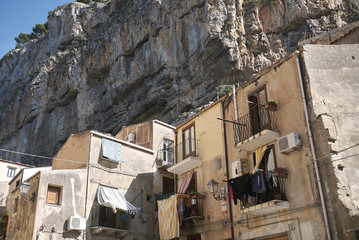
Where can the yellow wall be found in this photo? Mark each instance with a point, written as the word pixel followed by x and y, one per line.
pixel 283 87
pixel 209 132
pixel 75 150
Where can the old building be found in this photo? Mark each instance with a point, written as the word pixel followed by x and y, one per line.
pixel 8 170
pixel 295 125
pixel 101 187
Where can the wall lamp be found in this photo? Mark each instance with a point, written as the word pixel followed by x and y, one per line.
pixel 24 188
pixel 213 189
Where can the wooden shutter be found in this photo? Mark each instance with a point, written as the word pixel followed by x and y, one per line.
pixel 53 195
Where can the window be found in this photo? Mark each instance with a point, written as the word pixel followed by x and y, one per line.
pixel 107 218
pixel 258 115
pixel 168 185
pixel 188 140
pixel 53 195
pixel 268 161
pixel 11 172
pixel 167 150
pixel 16 203
pixel 111 150
pixel 17 183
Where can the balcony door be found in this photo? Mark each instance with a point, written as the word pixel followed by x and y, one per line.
pixel 188 140
pixel 258 114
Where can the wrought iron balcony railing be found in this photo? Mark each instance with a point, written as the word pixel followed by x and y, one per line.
pixel 253 123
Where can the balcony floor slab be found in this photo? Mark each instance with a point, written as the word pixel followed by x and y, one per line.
pixel 185 165
pixel 267 208
pixel 258 140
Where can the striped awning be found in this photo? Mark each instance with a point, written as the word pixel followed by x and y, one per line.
pixel 185 183
pixel 113 198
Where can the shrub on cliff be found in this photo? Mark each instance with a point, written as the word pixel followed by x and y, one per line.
pixel 37 31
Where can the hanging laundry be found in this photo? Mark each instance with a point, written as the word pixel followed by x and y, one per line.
pixel 239 187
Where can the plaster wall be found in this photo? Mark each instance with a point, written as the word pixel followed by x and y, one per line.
pixel 283 87
pixel 143 133
pixel 21 221
pixel 133 176
pixel 50 216
pixel 209 133
pixel 74 153
pixel 160 132
pixel 333 88
pixel 4 180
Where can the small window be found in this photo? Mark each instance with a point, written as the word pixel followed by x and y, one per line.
pixel 16 203
pixel 53 195
pixel 11 172
pixel 17 183
pixel 189 142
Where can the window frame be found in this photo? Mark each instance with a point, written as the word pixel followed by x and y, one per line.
pixel 11 172
pixel 16 204
pixel 58 197
pixel 272 147
pixel 255 111
pixel 191 141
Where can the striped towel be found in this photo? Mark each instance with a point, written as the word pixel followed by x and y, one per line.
pixel 168 218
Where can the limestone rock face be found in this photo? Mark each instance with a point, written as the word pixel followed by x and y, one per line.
pixel 112 63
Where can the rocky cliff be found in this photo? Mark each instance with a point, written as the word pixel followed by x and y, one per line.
pixel 112 63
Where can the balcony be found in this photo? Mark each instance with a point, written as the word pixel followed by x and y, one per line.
pixel 165 157
pixel 272 201
pixel 105 221
pixel 187 157
pixel 194 211
pixel 256 129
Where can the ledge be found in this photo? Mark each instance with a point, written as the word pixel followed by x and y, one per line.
pixel 185 165
pixel 260 139
pixel 267 207
pixel 108 231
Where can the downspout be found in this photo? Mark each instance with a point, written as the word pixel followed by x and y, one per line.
pixel 176 159
pixel 227 168
pixel 313 151
pixel 87 184
pixel 235 103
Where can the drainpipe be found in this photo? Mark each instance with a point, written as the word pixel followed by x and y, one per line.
pixel 235 103
pixel 227 168
pixel 176 159
pixel 313 151
pixel 87 184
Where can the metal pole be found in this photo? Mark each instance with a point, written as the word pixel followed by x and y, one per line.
pixel 227 168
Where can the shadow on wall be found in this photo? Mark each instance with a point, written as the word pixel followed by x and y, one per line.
pixel 121 224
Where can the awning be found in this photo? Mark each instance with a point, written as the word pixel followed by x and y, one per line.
pixel 185 183
pixel 111 150
pixel 113 198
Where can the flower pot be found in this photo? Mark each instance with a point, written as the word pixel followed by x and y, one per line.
pixel 270 107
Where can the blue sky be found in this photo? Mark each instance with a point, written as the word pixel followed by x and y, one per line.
pixel 18 16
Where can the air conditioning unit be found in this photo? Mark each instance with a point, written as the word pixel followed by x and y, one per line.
pixel 289 142
pixel 131 137
pixel 76 223
pixel 235 169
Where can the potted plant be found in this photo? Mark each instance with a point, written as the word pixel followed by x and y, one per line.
pixel 271 106
pixel 281 172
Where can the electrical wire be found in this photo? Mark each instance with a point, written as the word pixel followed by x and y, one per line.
pixel 39 156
